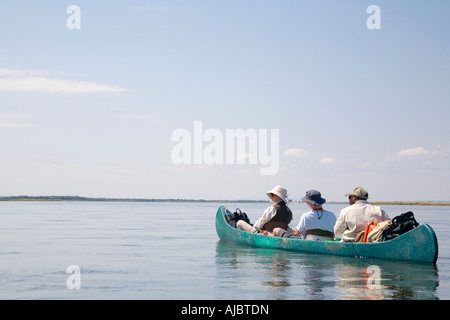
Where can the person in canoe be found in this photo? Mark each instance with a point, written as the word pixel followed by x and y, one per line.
pixel 277 215
pixel 316 224
pixel 354 218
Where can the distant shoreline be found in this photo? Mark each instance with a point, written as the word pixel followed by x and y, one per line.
pixel 78 198
pixel 412 203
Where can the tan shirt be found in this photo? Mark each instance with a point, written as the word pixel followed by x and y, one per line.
pixel 353 219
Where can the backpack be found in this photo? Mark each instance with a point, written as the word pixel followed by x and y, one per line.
pixel 236 216
pixel 400 225
pixel 377 233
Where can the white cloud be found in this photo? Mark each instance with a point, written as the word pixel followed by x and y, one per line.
pixel 29 73
pixel 13 125
pixel 419 151
pixel 296 152
pixel 362 165
pixel 44 81
pixel 42 84
pixel 326 160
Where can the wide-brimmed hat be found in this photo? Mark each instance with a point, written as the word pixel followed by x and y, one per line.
pixel 360 192
pixel 279 191
pixel 313 197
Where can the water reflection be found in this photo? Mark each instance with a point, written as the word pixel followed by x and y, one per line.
pixel 247 272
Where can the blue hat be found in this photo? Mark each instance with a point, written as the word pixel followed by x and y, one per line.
pixel 313 197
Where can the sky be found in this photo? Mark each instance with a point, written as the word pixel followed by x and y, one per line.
pixel 91 99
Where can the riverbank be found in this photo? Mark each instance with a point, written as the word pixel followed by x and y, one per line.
pixel 411 203
pixel 78 198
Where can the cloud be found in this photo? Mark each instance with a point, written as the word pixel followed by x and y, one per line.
pixel 44 81
pixel 13 125
pixel 327 160
pixel 362 165
pixel 42 84
pixel 296 152
pixel 29 73
pixel 419 151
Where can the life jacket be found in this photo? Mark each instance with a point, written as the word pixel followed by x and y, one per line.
pixel 369 228
pixel 281 219
pixel 377 233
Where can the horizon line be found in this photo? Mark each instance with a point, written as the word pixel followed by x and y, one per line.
pixel 114 199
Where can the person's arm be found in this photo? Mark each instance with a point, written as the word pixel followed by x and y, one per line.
pixel 340 225
pixel 269 213
pixel 301 226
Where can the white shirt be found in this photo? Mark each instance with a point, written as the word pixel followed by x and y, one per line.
pixel 353 219
pixel 316 219
pixel 268 214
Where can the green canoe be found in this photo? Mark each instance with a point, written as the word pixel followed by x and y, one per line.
pixel 417 245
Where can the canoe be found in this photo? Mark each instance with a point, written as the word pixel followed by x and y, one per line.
pixel 418 245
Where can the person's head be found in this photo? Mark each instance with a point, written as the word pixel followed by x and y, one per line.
pixel 277 194
pixel 314 199
pixel 359 193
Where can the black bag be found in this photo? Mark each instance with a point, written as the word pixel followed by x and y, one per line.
pixel 400 225
pixel 236 216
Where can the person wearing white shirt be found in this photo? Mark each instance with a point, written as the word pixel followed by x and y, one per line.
pixel 354 218
pixel 316 224
pixel 277 215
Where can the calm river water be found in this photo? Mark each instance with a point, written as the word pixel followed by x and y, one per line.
pixel 145 250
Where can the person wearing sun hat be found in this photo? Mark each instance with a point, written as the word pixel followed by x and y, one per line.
pixel 354 218
pixel 277 215
pixel 316 224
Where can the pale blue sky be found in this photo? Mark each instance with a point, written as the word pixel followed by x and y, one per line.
pixel 90 112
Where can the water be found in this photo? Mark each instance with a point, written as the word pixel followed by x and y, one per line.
pixel 171 251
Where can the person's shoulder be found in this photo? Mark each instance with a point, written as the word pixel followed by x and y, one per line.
pixel 374 206
pixel 330 212
pixel 275 206
pixel 346 209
